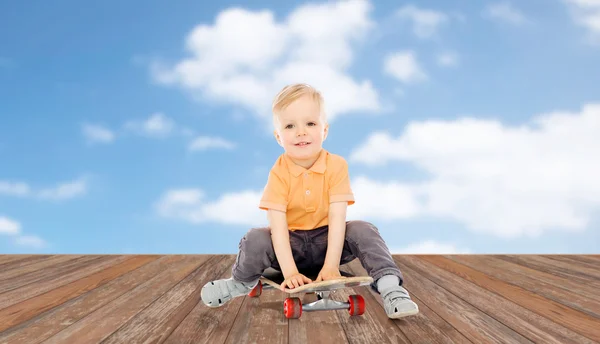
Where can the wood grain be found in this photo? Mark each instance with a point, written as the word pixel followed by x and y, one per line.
pixel 563 271
pixel 70 312
pixel 424 327
pixel 528 323
pixel 320 327
pixel 37 276
pixel 34 267
pixel 589 269
pixel 579 322
pixel 20 312
pixel 517 275
pixel 100 324
pixel 260 320
pixel 157 321
pixel 208 325
pixel 476 325
pixel 577 258
pixel 10 261
pixel 156 299
pixel 33 289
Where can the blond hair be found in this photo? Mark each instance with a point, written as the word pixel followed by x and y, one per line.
pixel 290 93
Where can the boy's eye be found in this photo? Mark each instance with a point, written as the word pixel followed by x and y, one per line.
pixel 289 126
pixel 311 123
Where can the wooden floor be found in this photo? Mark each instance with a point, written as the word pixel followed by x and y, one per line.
pixel 156 299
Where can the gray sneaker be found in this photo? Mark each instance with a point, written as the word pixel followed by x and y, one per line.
pixel 397 303
pixel 217 293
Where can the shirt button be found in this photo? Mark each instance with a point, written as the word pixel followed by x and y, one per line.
pixel 305 174
pixel 308 192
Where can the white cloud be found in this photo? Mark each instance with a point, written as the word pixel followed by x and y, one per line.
pixel 207 142
pixel 448 59
pixel 426 23
pixel 65 190
pixel 246 57
pixel 586 13
pixel 9 226
pixel 97 133
pixel 157 125
pixel 30 241
pixel 382 200
pixel 403 65
pixel 61 191
pixel 497 179
pixel 429 247
pixel 191 206
pixel 13 229
pixel 14 188
pixel 506 12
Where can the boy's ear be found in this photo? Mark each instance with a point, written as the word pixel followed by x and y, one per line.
pixel 277 137
pixel 325 132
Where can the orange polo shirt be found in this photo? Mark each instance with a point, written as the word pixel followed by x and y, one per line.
pixel 305 194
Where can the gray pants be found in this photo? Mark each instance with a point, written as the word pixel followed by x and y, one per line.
pixel 363 241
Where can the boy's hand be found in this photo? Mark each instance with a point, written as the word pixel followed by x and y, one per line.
pixel 295 281
pixel 328 273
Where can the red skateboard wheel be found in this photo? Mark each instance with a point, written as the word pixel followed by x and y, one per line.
pixel 357 305
pixel 292 308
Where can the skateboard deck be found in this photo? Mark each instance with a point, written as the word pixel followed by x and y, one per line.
pixel 293 307
pixel 274 278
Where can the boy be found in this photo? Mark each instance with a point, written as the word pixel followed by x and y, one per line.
pixel 306 196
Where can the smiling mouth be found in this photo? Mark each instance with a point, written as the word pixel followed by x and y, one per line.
pixel 301 144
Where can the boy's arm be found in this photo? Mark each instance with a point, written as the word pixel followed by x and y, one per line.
pixel 281 242
pixel 337 234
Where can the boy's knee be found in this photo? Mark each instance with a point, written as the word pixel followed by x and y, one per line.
pixel 361 229
pixel 257 240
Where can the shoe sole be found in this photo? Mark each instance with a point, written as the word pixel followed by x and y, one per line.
pixel 402 315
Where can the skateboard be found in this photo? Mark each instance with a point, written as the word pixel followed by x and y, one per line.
pixel 293 307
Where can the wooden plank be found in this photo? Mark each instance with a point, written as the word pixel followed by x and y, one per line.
pixel 58 318
pixel 591 256
pixel 35 276
pixel 11 261
pixel 33 289
pixel 260 320
pixel 103 322
pixel 589 269
pixel 532 262
pixel 529 324
pixel 208 325
pixel 579 322
pixel 476 325
pixel 560 282
pixel 516 274
pixel 595 262
pixel 424 327
pixel 157 321
pixel 34 267
pixel 20 312
pixel 373 326
pixel 418 328
pixel 321 327
pixel 315 327
pixel 5 258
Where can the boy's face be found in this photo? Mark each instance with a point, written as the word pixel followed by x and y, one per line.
pixel 301 130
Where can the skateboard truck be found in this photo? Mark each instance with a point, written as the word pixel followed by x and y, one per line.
pixel 293 307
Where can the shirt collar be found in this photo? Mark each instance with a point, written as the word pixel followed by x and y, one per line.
pixel 318 166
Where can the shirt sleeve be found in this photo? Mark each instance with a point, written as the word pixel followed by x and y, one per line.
pixel 275 195
pixel 339 185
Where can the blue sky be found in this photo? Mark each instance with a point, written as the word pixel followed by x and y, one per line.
pixel 135 127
